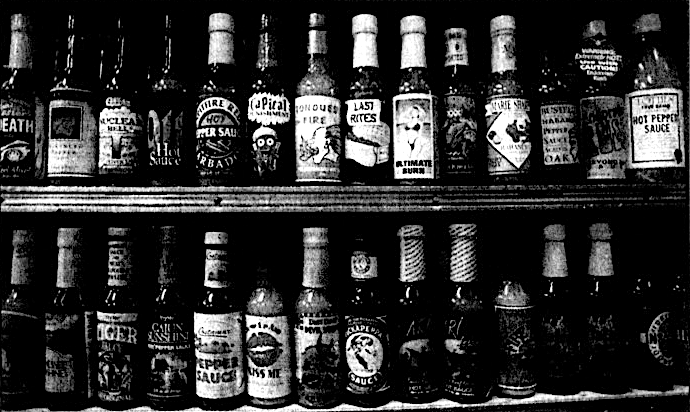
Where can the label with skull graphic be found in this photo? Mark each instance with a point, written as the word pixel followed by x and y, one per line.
pixel 317 138
pixel 266 113
pixel 508 135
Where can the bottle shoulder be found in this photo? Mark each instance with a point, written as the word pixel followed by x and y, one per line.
pixel 317 84
pixel 506 83
pixel 218 301
pixel 268 80
pixel 119 299
pixel 265 301
pixel 414 80
pixel 652 68
pixel 315 300
pixel 20 82
pixel 366 82
pixel 219 79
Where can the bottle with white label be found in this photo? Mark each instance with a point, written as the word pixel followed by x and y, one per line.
pixel 415 110
pixel 121 371
pixel 72 116
pixel 219 332
pixel 654 119
pixel 509 139
pixel 269 344
pixel 222 148
pixel 318 144
pixel 269 113
pixel 317 329
pixel 603 147
pixel 367 117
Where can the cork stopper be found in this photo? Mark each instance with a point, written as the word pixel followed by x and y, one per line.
pixel 554 233
pixel 412 24
pixel 554 262
pixel 412 259
pixel 463 252
pixel 221 22
pixel 600 231
pixel 501 23
pixel 364 23
pixel 316 258
pixel 216 238
pixel 594 28
pixel 23 255
pixel 647 23
pixel 317 21
pixel 119 231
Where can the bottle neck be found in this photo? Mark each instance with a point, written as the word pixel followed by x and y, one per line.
pixel 463 259
pixel 363 265
pixel 600 259
pixel 317 43
pixel 267 56
pixel 413 52
pixel 168 264
pixel 167 59
pixel 412 260
pixel 503 57
pixel 119 263
pixel 69 267
pixel 365 52
pixel 20 50
pixel 316 263
pixel 555 264
pixel 456 52
pixel 221 48
pixel 216 268
pixel 22 264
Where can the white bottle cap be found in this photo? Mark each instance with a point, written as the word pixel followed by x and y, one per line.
pixel 20 22
pixel 315 236
pixel 364 23
pixel 600 231
pixel 554 233
pixel 593 28
pixel 646 23
pixel 502 23
pixel 221 22
pixel 216 238
pixel 70 237
pixel 412 24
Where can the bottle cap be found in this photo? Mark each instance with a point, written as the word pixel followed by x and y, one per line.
pixel 463 252
pixel 600 231
pixel 119 231
pixel 411 231
pixel 221 22
pixel 216 238
pixel 20 22
pixel 70 237
pixel 593 28
pixel 412 24
pixel 364 23
pixel 462 230
pixel 412 259
pixel 22 237
pixel 315 236
pixel 168 234
pixel 554 232
pixel 317 20
pixel 499 23
pixel 646 23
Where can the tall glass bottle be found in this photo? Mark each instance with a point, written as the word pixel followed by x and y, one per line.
pixel 459 156
pixel 218 332
pixel 367 130
pixel 654 117
pixel 509 139
pixel 603 146
pixel 72 121
pixel 415 113
pixel 170 357
pixel 22 113
pixel 681 313
pixel 416 377
pixel 221 149
pixel 22 317
pixel 268 111
pixel 66 367
pixel 169 125
pixel 367 337
pixel 120 370
pixel 318 143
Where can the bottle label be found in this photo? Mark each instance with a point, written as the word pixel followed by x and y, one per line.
pixel 655 128
pixel 170 350
pixel 415 150
pixel 120 131
pixel 603 337
pixel 18 131
pixel 119 263
pixel 412 261
pixel 268 109
pixel 118 351
pixel 518 347
pixel 218 144
pixel 417 359
pixel 559 134
pixel 460 131
pixel 503 57
pixel 318 141
pixel 598 63
pixel 165 137
pixel 219 355
pixel 558 345
pixel 456 50
pixel 363 265
pixel 63 351
pixel 603 137
pixel 464 376
pixel 268 357
pixel 368 139
pixel 317 350
pixel 508 135
pixel 90 331
pixel 366 346
pixel 20 373
pixel 72 139
pixel 216 269
pixel 660 339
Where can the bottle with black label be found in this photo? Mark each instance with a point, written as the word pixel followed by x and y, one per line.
pixel 367 130
pixel 459 158
pixel 558 338
pixel 221 146
pixel 169 355
pixel 468 374
pixel 367 337
pixel 269 113
pixel 22 113
pixel 416 377
pixel 415 110
pixel 22 329
pixel 65 362
pixel 219 332
pixel 654 119
pixel 120 344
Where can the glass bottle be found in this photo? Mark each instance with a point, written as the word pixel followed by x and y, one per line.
pixel 169 353
pixel 367 336
pixel 415 113
pixel 169 125
pixel 459 157
pixel 22 317
pixel 318 351
pixel 120 369
pixel 269 114
pixel 558 338
pixel 66 367
pixel 218 332
pixel 510 149
pixel 681 314
pixel 73 119
pixel 368 135
pixel 22 113
pixel 416 377
pixel 318 143
pixel 654 117
pixel 603 147
pixel 221 149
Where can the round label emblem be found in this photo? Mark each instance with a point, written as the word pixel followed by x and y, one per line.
pixel 364 354
pixel 659 339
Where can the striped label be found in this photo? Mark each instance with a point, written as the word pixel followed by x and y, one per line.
pixel 412 262
pixel 463 253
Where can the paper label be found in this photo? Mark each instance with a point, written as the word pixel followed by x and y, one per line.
pixel 170 361
pixel 267 111
pixel 121 137
pixel 508 135
pixel 558 345
pixel 603 137
pixel 18 136
pixel 118 351
pixel 268 356
pixel 317 350
pixel 366 352
pixel 660 339
pixel 63 349
pixel 21 373
pixel 72 139
pixel 597 62
pixel 363 265
pixel 218 134
pixel 119 263
pixel 518 347
pixel 216 268
pixel 417 360
pixel 368 138
pixel 90 328
pixel 165 129
pixel 503 55
pixel 460 131
pixel 415 149
pixel 559 134
pixel 456 50
pixel 317 138
pixel 463 340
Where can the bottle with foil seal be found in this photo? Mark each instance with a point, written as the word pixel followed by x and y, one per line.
pixel 367 120
pixel 416 377
pixel 509 139
pixel 654 118
pixel 317 329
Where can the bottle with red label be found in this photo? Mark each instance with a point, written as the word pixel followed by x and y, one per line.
pixel 318 143
pixel 654 119
pixel 367 117
pixel 219 332
pixel 509 140
pixel 221 145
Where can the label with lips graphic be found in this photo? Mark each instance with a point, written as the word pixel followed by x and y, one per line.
pixel 268 356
